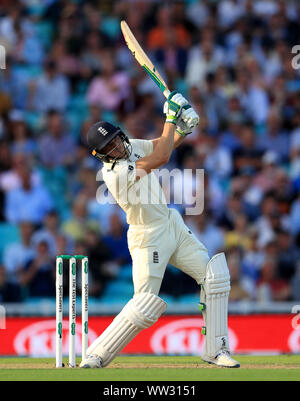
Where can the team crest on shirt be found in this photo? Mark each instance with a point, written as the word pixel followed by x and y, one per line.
pixel 130 167
pixel 155 257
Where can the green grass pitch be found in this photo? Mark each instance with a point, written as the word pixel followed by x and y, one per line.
pixel 177 368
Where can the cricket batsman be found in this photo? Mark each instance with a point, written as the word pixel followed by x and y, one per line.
pixel 157 235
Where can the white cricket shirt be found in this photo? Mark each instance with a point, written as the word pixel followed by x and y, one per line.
pixel 143 200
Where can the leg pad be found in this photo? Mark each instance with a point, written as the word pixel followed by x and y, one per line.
pixel 142 311
pixel 214 294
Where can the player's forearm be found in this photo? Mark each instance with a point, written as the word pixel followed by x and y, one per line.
pixel 162 151
pixel 178 139
pixel 165 144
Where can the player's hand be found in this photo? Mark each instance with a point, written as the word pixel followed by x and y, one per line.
pixel 189 120
pixel 173 107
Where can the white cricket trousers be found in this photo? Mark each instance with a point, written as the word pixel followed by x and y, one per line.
pixel 152 247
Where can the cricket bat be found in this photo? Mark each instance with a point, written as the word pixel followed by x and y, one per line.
pixel 143 59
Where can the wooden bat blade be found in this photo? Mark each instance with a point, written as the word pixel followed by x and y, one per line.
pixel 143 59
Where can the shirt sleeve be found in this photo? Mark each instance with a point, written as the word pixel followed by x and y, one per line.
pixel 120 179
pixel 146 146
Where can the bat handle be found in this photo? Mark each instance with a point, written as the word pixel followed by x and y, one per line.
pixel 166 93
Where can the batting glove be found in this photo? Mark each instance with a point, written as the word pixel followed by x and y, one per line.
pixel 189 120
pixel 173 107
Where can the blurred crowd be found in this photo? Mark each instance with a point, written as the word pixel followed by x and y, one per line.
pixel 67 66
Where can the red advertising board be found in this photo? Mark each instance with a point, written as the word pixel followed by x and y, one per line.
pixel 170 335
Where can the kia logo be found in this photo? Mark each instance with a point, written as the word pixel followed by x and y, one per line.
pixel 38 339
pixel 183 337
pixel 294 341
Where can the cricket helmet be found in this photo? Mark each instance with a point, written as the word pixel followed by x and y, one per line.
pixel 100 135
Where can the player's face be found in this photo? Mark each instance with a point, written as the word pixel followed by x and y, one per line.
pixel 116 149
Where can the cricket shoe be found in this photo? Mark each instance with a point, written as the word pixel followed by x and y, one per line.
pixel 223 359
pixel 91 362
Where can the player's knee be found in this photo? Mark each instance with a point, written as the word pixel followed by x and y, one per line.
pixel 203 268
pixel 199 269
pixel 144 309
pixel 217 265
pixel 151 285
pixel 206 258
pixel 217 274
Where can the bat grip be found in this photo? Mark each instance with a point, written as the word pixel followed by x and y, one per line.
pixel 166 93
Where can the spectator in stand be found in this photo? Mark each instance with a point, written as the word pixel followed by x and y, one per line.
pixel 12 178
pixel 283 192
pixel 254 98
pixel 252 261
pixel 13 87
pixel 92 53
pixel 203 59
pixel 270 287
pixel 50 91
pixel 67 64
pixel 21 135
pixel 116 239
pixel 233 208
pixel 239 236
pixel 269 208
pixel 247 155
pixel 265 179
pixel 238 288
pixel 51 233
pixel 295 145
pixel 229 12
pixel 157 37
pixel 5 157
pixel 9 292
pixel 79 223
pixel 28 47
pixel 99 255
pixel 109 88
pixel 57 147
pixel 28 203
pixel 233 125
pixel 275 139
pixel 17 255
pixel 214 102
pixel 218 160
pixel 288 256
pixel 172 57
pixel 38 276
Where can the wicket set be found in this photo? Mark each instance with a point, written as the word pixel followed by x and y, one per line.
pixel 72 307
